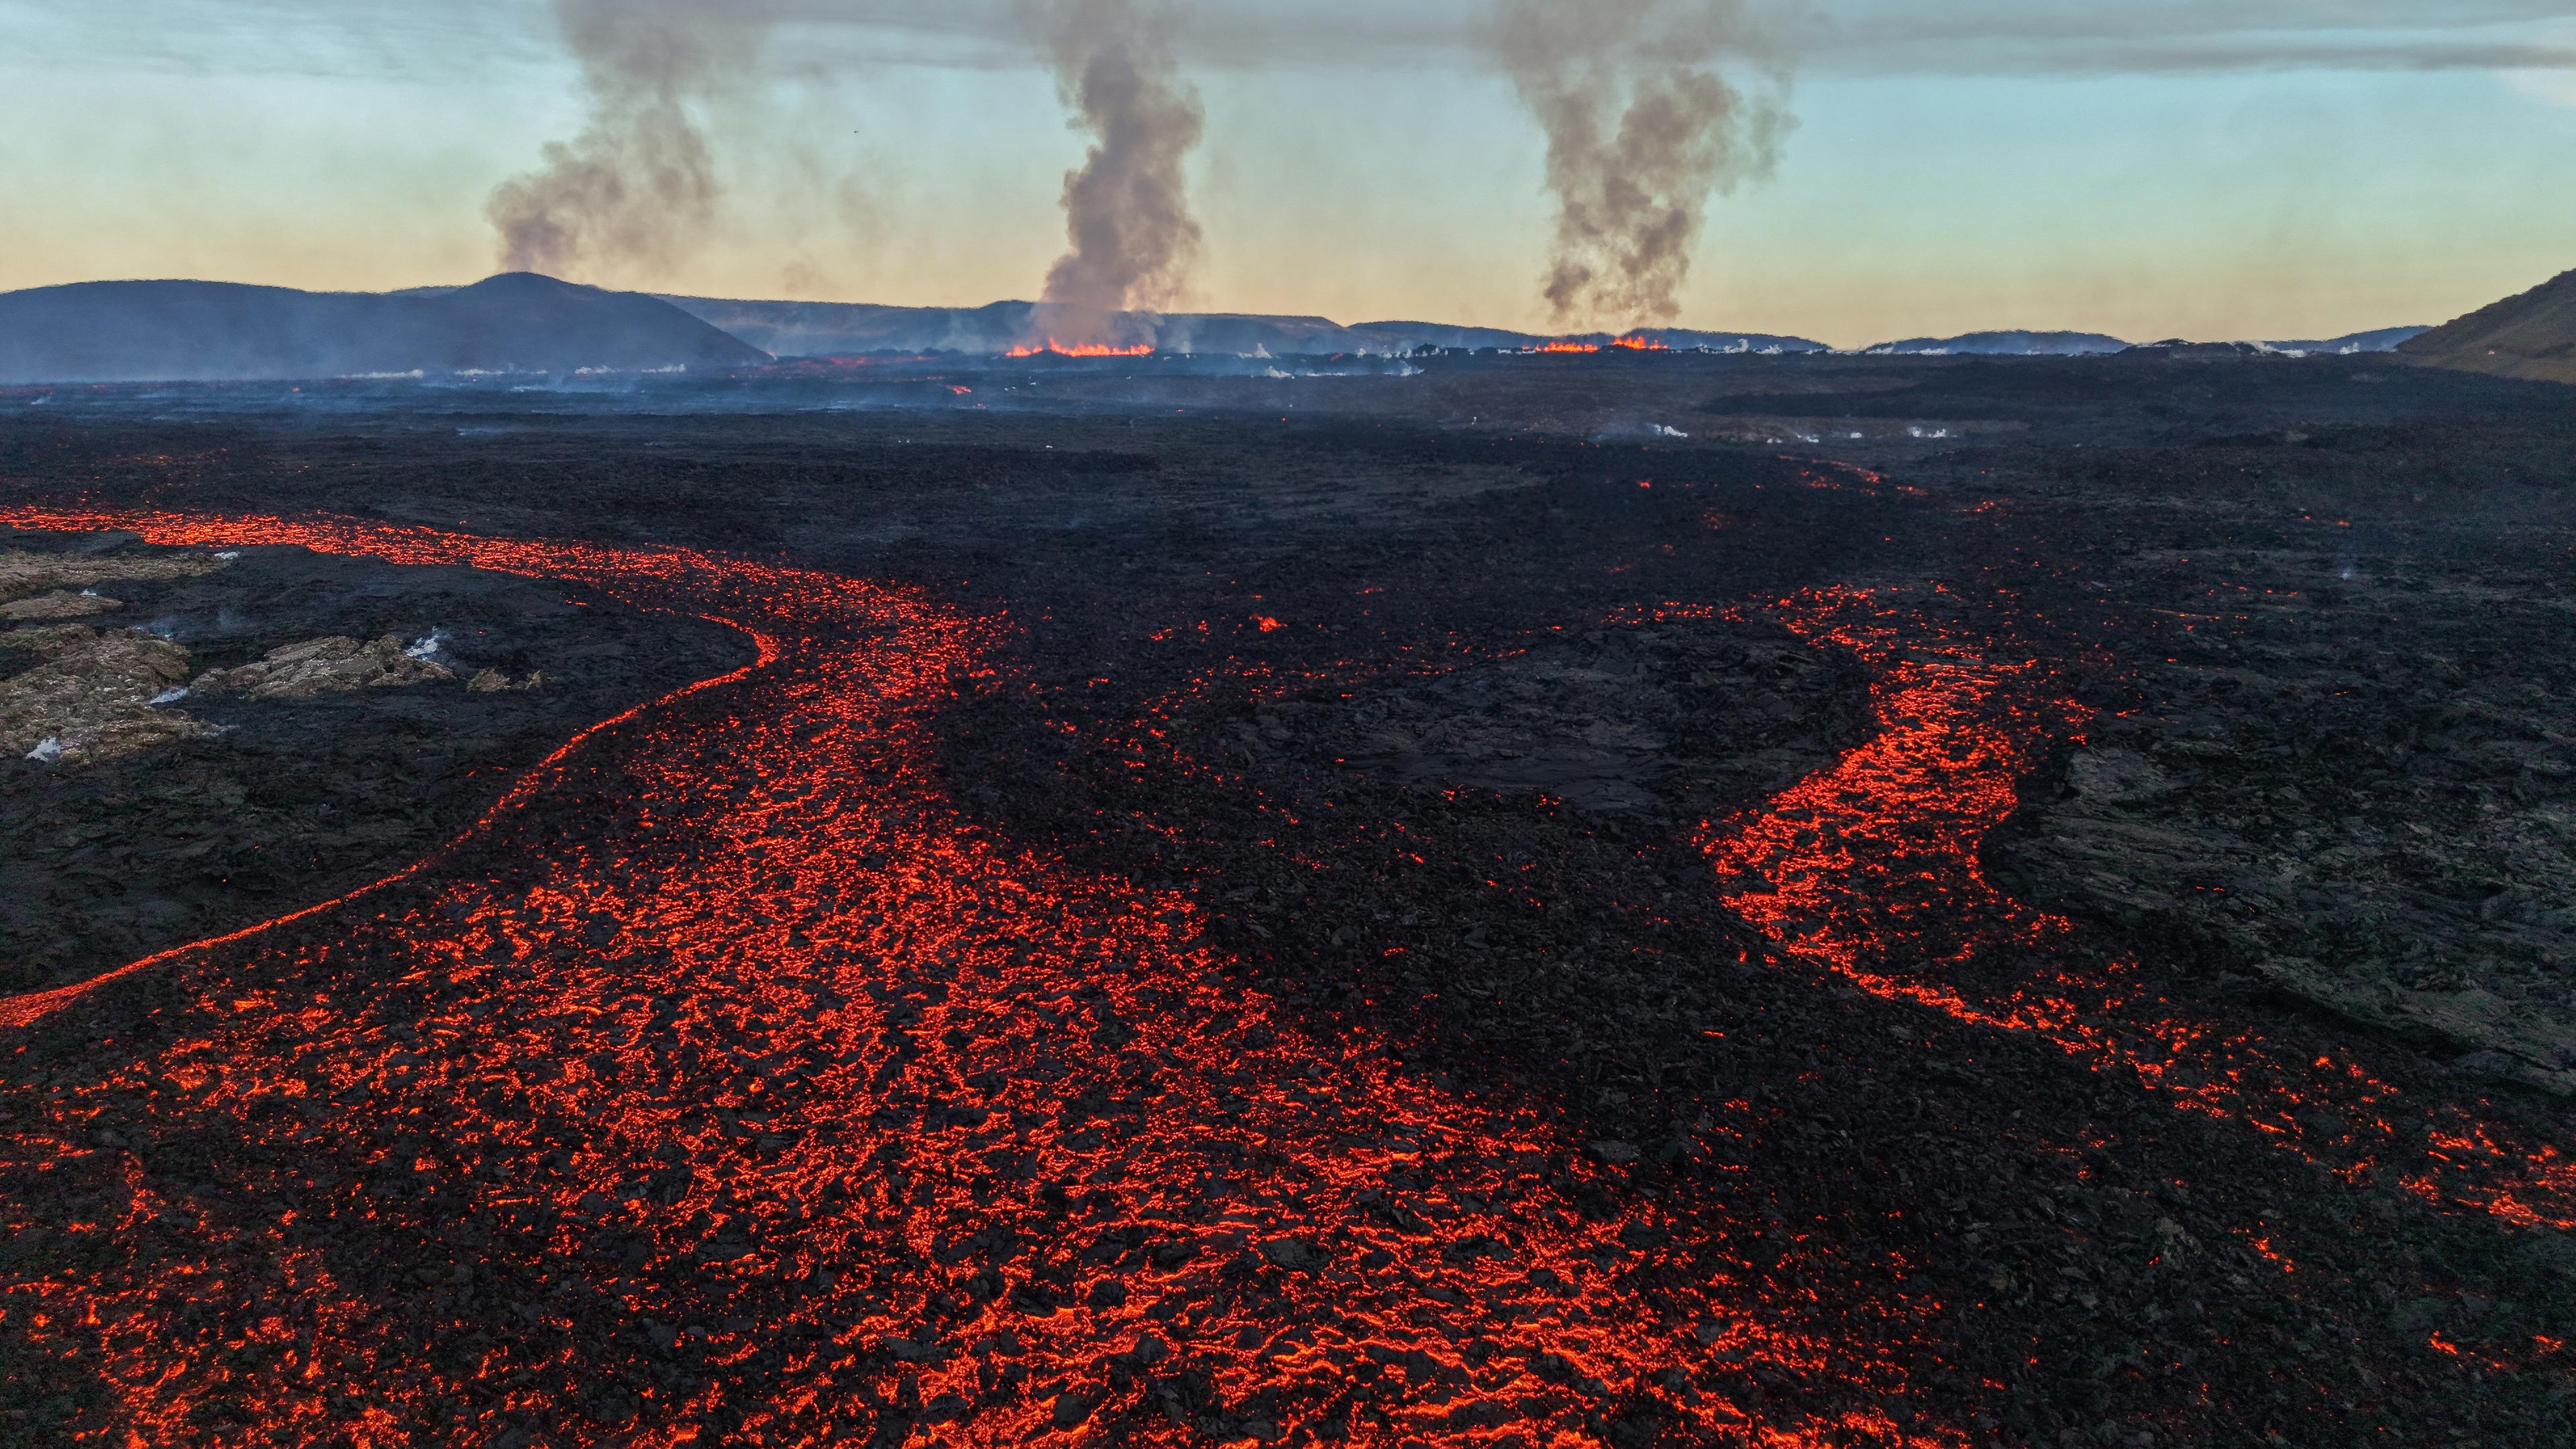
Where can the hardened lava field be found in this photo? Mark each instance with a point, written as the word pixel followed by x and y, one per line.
pixel 1634 900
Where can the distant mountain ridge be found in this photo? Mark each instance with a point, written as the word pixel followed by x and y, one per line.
pixel 214 331
pixel 816 329
pixel 2096 344
pixel 2004 344
pixel 2529 336
pixel 2387 339
pixel 220 331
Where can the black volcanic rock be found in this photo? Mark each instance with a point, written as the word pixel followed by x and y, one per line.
pixel 617 1159
pixel 276 801
pixel 218 331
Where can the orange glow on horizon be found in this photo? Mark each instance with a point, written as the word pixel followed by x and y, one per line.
pixel 1053 348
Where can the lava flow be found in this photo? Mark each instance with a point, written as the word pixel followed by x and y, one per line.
pixel 729 1085
pixel 1053 348
pixel 1871 870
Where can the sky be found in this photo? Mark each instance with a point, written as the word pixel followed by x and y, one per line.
pixel 2146 168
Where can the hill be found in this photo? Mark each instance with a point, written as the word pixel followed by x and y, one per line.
pixel 820 329
pixel 170 331
pixel 2095 344
pixel 2005 344
pixel 2529 336
pixel 1406 336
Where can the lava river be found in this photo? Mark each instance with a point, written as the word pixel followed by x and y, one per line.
pixel 727 1085
pixel 1871 870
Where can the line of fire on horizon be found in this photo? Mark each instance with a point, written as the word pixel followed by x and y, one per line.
pixel 1052 347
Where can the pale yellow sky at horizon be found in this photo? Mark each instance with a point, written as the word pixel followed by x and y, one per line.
pixel 2267 202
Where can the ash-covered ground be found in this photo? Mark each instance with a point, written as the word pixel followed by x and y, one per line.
pixel 2058 869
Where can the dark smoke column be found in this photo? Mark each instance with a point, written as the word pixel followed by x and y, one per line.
pixel 1127 210
pixel 1641 131
pixel 637 188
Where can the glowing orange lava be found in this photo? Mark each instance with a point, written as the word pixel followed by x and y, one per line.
pixel 732 1086
pixel 1639 342
pixel 1871 870
pixel 1053 348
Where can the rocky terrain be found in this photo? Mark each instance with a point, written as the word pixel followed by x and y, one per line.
pixel 2334 759
pixel 1238 879
pixel 1608 720
pixel 206 748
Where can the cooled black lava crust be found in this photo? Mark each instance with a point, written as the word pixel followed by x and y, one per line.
pixel 300 800
pixel 1301 648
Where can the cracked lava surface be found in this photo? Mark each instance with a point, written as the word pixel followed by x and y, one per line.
pixel 822 1115
pixel 1871 870
pixel 812 1104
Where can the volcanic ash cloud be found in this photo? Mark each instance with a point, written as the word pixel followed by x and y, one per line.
pixel 637 188
pixel 1642 129
pixel 1127 210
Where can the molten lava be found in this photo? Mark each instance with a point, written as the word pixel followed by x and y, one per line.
pixel 730 1085
pixel 1871 870
pixel 1053 348
pixel 1633 342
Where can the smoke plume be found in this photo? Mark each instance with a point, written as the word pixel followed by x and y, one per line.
pixel 1641 130
pixel 1127 211
pixel 637 188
